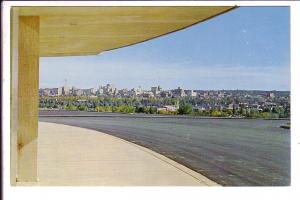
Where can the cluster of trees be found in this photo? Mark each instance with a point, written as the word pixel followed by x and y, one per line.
pixel 109 104
pixel 185 109
pixel 248 113
pixel 92 102
pixel 151 105
pixel 121 109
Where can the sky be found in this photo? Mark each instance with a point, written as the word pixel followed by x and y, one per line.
pixel 247 48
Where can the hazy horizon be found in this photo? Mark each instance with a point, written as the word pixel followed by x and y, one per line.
pixel 163 88
pixel 236 50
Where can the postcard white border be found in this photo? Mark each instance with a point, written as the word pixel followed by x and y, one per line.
pixel 44 193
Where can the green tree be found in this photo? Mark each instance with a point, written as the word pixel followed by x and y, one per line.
pixel 71 107
pixel 99 109
pixel 124 109
pixel 216 113
pixel 185 109
pixel 82 108
pixel 152 110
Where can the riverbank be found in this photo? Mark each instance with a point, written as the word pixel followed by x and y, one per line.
pixel 65 113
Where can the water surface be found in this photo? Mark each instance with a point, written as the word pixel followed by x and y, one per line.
pixel 232 152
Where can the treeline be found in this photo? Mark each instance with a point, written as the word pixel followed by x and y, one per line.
pixel 267 113
pixel 92 102
pixel 132 109
pixel 151 105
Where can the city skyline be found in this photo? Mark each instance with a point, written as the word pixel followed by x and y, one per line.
pixel 227 52
pixel 149 88
pixel 109 98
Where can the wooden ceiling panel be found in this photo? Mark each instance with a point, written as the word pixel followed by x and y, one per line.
pixel 71 31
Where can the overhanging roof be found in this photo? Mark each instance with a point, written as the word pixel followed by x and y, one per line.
pixel 71 31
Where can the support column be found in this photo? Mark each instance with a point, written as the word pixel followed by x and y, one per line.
pixel 27 98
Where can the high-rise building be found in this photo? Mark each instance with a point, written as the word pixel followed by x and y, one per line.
pixel 59 91
pixel 191 93
pixel 78 92
pixel 179 92
pixel 101 90
pixel 156 90
pixel 66 89
pixel 109 89
pixel 136 91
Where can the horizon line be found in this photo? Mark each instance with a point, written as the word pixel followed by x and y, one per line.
pixel 236 89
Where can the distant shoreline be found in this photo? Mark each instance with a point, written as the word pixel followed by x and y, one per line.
pixel 56 113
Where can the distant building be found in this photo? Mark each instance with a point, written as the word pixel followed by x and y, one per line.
pixel 50 92
pixel 167 108
pixel 270 95
pixel 93 91
pixel 208 94
pixel 46 92
pixel 86 92
pixel 123 92
pixel 109 89
pixel 156 90
pixel 148 94
pixel 78 92
pixel 41 92
pixel 165 94
pixel 81 100
pixel 179 92
pixel 171 108
pixel 230 106
pixel 66 90
pixel 59 91
pixel 191 93
pixel 137 91
pixel 101 90
pixel 221 94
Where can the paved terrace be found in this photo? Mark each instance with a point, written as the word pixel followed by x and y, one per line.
pixel 72 156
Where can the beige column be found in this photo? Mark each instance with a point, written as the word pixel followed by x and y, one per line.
pixel 27 98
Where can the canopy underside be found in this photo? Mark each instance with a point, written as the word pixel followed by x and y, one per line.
pixel 71 31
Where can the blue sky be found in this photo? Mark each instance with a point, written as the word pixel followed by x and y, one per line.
pixel 247 48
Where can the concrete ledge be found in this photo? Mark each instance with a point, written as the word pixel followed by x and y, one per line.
pixel 72 156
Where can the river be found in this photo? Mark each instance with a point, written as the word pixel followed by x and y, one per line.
pixel 232 152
